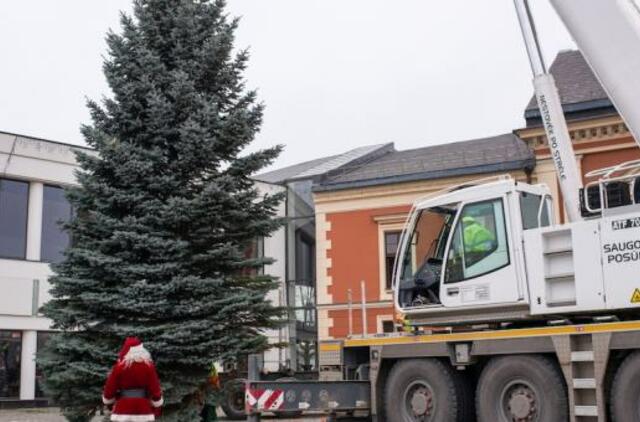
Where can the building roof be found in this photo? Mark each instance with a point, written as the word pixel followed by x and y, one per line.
pixel 286 173
pixel 579 88
pixel 8 135
pixel 320 166
pixel 486 155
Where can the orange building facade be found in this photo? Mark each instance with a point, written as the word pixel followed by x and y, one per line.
pixel 360 213
pixel 355 232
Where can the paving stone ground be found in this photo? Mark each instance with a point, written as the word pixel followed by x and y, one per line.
pixel 52 415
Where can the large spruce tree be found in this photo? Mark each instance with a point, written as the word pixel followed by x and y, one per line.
pixel 164 212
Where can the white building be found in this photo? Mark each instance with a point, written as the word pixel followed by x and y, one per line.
pixel 32 174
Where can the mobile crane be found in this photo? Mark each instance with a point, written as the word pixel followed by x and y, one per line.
pixel 513 316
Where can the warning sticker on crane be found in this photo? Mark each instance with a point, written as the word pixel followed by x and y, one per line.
pixel 264 399
pixel 635 297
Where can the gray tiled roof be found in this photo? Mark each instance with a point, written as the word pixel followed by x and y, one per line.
pixel 575 80
pixel 494 154
pixel 319 166
pixel 286 173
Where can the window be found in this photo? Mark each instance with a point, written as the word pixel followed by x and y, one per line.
pixel 479 244
pixel 254 251
pixel 388 327
pixel 10 350
pixel 530 209
pixel 424 252
pixel 56 210
pixel 14 202
pixel 305 258
pixel 391 242
pixel 42 339
pixel 307 354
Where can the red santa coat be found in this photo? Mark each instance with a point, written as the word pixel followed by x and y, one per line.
pixel 134 372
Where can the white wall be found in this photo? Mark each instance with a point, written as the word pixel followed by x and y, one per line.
pixel 34 159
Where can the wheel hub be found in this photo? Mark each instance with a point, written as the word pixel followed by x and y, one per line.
pixel 421 402
pixel 521 404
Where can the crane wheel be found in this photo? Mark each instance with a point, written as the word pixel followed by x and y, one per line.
pixel 423 390
pixel 625 390
pixel 232 403
pixel 465 393
pixel 523 388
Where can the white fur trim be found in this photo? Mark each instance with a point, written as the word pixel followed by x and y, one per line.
pixel 137 354
pixel 157 403
pixel 108 401
pixel 132 418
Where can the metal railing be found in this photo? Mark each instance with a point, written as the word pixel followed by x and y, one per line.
pixel 615 186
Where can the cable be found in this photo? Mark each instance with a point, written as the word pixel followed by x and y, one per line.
pixel 11 152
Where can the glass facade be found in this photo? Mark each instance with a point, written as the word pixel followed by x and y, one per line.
pixel 301 276
pixel 56 210
pixel 14 202
pixel 10 351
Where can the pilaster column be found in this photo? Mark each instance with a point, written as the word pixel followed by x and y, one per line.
pixel 28 365
pixel 34 222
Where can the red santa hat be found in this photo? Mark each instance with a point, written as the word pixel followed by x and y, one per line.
pixel 133 351
pixel 128 344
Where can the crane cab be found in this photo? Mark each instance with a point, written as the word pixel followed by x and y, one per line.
pixel 462 249
pixel 491 252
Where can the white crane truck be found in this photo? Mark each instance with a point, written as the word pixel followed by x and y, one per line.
pixel 513 316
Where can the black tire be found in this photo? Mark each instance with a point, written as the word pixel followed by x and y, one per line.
pixel 293 414
pixel 233 400
pixel 422 390
pixel 465 393
pixel 524 387
pixel 625 390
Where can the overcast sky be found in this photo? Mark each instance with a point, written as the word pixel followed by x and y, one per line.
pixel 334 74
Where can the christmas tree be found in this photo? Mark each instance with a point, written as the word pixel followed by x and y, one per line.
pixel 165 212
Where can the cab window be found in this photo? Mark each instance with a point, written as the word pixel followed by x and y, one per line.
pixel 479 243
pixel 531 206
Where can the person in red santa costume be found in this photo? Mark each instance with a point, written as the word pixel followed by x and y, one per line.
pixel 133 385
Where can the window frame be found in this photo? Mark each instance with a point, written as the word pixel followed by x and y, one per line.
pixel 26 222
pixel 543 206
pixel 381 319
pixel 506 226
pixel 387 224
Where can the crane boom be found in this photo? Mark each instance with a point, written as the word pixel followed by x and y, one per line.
pixel 607 33
pixel 552 116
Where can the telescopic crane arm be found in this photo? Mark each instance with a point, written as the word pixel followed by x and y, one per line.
pixel 552 115
pixel 607 33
